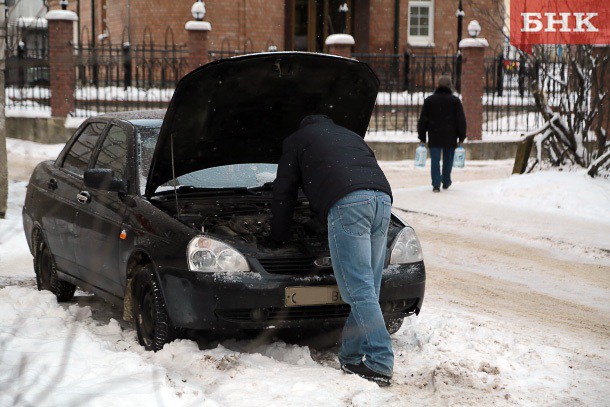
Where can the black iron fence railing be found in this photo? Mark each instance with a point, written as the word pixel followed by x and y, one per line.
pixel 27 72
pixel 508 105
pixel 405 81
pixel 115 77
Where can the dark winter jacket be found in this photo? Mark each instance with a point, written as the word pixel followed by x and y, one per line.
pixel 327 161
pixel 442 117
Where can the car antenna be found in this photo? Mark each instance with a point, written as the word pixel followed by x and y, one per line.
pixel 171 144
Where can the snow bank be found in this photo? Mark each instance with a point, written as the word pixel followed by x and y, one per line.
pixel 62 355
pixel 571 193
pixel 58 356
pixel 33 150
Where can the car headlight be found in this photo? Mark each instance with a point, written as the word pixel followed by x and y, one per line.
pixel 210 255
pixel 406 248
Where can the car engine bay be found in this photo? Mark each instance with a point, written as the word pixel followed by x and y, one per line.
pixel 251 222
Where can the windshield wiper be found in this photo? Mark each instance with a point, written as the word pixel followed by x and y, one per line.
pixel 189 190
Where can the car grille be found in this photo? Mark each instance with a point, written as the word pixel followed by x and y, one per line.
pixel 294 265
pixel 289 314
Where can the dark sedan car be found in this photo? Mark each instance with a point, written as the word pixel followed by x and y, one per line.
pixel 167 214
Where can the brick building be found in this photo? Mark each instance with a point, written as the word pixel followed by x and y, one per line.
pixel 378 26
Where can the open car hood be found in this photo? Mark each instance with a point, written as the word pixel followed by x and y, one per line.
pixel 239 110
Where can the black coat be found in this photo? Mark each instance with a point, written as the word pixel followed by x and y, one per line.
pixel 327 161
pixel 442 117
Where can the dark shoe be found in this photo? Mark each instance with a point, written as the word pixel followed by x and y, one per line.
pixel 436 189
pixel 446 186
pixel 366 373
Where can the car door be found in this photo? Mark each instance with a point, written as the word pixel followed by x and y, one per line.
pixel 99 220
pixel 64 183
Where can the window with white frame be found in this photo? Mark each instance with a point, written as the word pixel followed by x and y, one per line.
pixel 421 23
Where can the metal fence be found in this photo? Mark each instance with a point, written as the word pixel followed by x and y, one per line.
pixel 126 77
pixel 113 77
pixel 509 107
pixel 116 77
pixel 405 81
pixel 122 76
pixel 27 67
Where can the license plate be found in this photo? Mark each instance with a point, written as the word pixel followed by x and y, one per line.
pixel 304 296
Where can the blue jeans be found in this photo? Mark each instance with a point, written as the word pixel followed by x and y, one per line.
pixel 435 158
pixel 357 233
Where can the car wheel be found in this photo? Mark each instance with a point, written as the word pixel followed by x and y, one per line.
pixel 393 325
pixel 153 325
pixel 46 275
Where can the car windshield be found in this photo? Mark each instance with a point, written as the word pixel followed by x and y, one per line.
pixel 232 176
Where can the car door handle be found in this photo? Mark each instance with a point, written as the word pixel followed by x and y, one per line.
pixel 83 197
pixel 52 184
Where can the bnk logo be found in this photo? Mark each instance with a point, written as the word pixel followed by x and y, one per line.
pixel 567 22
pixel 534 22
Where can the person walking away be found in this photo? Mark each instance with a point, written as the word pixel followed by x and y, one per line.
pixel 442 119
pixel 347 190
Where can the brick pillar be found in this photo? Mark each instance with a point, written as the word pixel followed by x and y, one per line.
pixel 198 43
pixel 61 63
pixel 473 83
pixel 601 85
pixel 340 44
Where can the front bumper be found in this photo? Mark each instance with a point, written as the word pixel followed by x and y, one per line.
pixel 255 300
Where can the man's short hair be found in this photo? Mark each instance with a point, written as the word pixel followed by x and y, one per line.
pixel 445 82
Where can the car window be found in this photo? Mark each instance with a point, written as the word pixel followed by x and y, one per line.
pixel 147 133
pixel 78 156
pixel 113 153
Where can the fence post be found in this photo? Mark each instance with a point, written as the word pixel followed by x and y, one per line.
pixel 600 86
pixel 407 83
pixel 61 64
pixel 340 44
pixel 197 43
pixel 473 82
pixel 500 74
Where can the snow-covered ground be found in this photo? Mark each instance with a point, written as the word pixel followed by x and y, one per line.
pixel 516 312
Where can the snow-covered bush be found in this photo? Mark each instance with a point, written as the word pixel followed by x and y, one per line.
pixel 570 90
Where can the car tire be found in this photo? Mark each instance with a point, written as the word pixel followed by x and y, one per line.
pixel 46 275
pixel 393 325
pixel 153 325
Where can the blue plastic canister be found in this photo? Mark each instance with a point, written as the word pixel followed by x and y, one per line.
pixel 459 159
pixel 420 156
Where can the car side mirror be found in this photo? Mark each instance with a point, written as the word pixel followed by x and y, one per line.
pixel 103 179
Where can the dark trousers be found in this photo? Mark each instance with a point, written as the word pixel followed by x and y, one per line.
pixel 435 157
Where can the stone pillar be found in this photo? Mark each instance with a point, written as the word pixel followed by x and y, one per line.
pixel 197 43
pixel 340 44
pixel 61 62
pixel 473 84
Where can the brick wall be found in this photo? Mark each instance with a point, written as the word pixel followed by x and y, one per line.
pixel 233 22
pixel 445 25
pixel 263 22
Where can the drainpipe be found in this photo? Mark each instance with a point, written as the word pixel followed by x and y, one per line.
pixel 396 24
pixel 92 23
